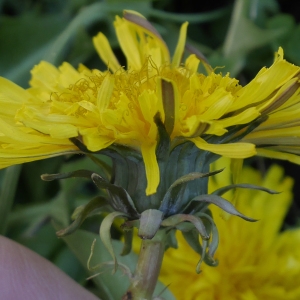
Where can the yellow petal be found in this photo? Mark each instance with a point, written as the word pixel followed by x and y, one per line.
pixel 105 93
pixel 96 142
pixel 68 75
pixel 219 103
pixel 195 83
pixel 290 136
pixel 9 157
pixel 180 46
pixel 151 166
pixel 265 83
pixel 10 92
pixel 192 63
pixel 18 135
pixel 105 52
pixel 149 106
pixel 44 76
pixel 63 131
pixel 234 150
pixel 144 31
pixel 128 42
pixel 279 155
pixel 293 149
pixel 244 117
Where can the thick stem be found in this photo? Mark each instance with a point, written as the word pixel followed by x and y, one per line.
pixel 147 270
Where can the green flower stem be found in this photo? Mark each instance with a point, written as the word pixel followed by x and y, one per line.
pixel 148 267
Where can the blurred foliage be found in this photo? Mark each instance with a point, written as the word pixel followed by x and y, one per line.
pixel 238 37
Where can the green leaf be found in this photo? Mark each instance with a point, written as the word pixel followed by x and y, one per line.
pixel 190 17
pixel 292 47
pixel 65 259
pixel 285 21
pixel 243 35
pixel 36 241
pixel 23 46
pixel 118 6
pixel 7 194
pixel 86 16
pixel 111 287
pixel 57 209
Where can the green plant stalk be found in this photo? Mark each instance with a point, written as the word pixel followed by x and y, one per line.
pixel 148 268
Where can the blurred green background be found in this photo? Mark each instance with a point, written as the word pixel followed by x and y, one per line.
pixel 239 37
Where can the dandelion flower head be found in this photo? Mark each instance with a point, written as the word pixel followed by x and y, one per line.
pixel 118 106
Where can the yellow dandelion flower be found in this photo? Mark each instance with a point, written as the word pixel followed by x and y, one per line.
pixel 256 260
pixel 100 109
